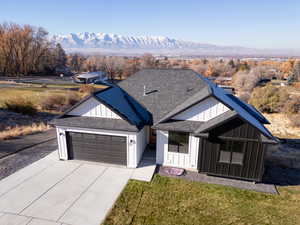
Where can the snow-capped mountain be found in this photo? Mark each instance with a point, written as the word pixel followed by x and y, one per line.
pixel 103 42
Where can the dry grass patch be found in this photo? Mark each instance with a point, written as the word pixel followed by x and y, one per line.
pixel 35 95
pixel 20 105
pixel 58 102
pixel 281 125
pixel 13 132
pixel 39 97
pixel 87 89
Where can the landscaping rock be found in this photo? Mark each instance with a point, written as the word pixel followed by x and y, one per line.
pixel 285 154
pixel 174 171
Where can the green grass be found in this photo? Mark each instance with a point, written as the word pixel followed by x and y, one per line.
pixel 175 201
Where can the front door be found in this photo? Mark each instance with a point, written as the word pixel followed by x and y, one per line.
pixel 152 136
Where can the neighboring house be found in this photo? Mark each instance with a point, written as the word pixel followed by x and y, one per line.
pixel 195 125
pixel 90 77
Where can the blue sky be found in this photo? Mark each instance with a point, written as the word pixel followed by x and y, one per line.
pixel 252 23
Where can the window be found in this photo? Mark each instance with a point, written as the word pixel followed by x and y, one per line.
pixel 178 142
pixel 232 152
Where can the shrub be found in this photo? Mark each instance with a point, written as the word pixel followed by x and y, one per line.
pixel 245 96
pixel 87 89
pixel 269 99
pixel 72 98
pixel 292 106
pixel 53 102
pixel 60 102
pixel 295 119
pixel 21 105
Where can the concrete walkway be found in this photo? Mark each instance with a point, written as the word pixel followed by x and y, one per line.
pixel 145 170
pixel 52 192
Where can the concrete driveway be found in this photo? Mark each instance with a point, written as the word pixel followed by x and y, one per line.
pixel 52 192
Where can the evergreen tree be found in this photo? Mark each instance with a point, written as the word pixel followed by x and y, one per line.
pixel 231 63
pixel 296 70
pixel 60 56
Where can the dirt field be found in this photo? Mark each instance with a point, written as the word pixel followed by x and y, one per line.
pixel 280 126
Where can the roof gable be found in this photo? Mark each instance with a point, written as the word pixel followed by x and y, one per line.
pixel 124 105
pixel 167 88
pixel 179 89
pixel 244 112
pixel 93 108
pixel 205 110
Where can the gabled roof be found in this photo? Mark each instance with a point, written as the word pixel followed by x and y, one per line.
pixel 126 106
pixel 179 89
pixel 154 96
pixel 119 102
pixel 199 96
pixel 223 118
pixel 245 112
pixel 167 89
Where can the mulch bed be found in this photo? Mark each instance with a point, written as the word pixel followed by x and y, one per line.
pixel 199 177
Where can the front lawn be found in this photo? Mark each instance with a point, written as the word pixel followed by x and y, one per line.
pixel 175 201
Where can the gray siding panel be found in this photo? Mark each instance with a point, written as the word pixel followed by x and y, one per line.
pixel 254 150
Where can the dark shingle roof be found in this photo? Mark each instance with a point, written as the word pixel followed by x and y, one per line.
pixel 179 125
pixel 134 114
pixel 174 90
pixel 170 91
pixel 250 109
pixel 172 87
pixel 245 112
pixel 199 96
pixel 120 101
pixel 95 123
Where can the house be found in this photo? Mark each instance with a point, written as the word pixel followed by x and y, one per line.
pixel 90 77
pixel 194 124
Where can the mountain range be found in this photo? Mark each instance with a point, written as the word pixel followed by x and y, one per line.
pixel 87 42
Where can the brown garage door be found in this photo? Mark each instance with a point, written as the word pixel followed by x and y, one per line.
pixel 97 148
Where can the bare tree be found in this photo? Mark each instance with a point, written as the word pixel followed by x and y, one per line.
pixel 245 81
pixel 113 66
pixel 22 49
pixel 148 61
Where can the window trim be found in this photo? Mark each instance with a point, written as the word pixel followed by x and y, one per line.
pixel 178 149
pixel 231 152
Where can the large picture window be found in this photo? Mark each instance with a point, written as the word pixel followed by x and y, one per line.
pixel 232 152
pixel 178 142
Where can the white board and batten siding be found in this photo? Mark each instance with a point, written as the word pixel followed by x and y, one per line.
pixel 182 160
pixel 93 108
pixel 136 142
pixel 142 138
pixel 203 111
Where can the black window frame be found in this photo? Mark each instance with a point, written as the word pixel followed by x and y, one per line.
pixel 176 144
pixel 230 148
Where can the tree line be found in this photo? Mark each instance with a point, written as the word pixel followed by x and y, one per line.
pixel 25 50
